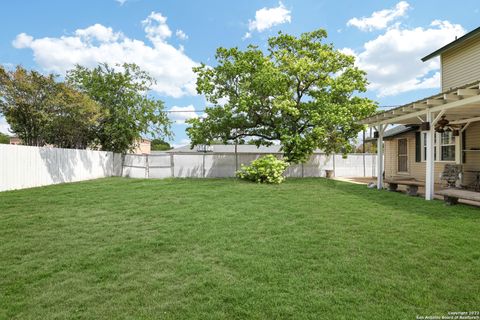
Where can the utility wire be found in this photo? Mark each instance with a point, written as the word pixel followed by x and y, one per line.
pixel 174 111
pixel 204 110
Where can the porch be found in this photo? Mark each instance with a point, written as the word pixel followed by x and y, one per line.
pixel 439 124
pixel 403 189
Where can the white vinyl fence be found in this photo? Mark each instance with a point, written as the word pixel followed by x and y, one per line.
pixel 223 165
pixel 26 167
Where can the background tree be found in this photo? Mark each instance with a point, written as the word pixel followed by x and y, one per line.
pixel 159 145
pixel 4 139
pixel 74 119
pixel 25 100
pixel 302 94
pixel 42 111
pixel 127 111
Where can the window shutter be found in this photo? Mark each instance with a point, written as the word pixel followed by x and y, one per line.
pixel 464 146
pixel 418 147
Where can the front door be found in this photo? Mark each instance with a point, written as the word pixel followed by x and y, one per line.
pixel 402 156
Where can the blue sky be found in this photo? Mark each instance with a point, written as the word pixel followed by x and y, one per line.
pixel 168 37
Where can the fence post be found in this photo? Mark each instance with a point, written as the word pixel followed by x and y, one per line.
pixel 303 174
pixel 334 173
pixel 203 166
pixel 147 169
pixel 364 166
pixel 123 164
pixel 363 152
pixel 172 165
pixel 236 157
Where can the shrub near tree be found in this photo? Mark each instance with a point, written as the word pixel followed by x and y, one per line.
pixel 302 93
pixel 266 169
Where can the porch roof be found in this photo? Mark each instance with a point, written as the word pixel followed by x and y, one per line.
pixel 460 105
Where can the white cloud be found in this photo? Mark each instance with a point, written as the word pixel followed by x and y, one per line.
pixel 156 27
pixel 392 60
pixel 247 35
pixel 181 34
pixel 4 127
pixel 97 43
pixel 98 32
pixel 183 142
pixel 22 40
pixel 121 2
pixel 380 19
pixel 180 114
pixel 267 18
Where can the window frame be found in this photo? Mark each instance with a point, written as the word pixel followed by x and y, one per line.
pixel 438 146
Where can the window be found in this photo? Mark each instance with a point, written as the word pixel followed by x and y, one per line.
pixel 447 146
pixel 402 155
pixel 444 144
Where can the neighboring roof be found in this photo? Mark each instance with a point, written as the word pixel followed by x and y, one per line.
pixel 395 131
pixel 230 148
pixel 452 44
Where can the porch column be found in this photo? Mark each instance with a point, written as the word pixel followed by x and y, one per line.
pixel 430 162
pixel 380 129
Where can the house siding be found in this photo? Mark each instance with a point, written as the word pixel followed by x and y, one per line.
pixel 472 158
pixel 461 65
pixel 415 169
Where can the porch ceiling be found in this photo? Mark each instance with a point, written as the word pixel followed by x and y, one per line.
pixel 460 105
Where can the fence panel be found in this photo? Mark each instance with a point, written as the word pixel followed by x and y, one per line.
pixel 219 165
pixel 223 165
pixel 188 165
pixel 159 165
pixel 294 171
pixel 25 167
pixel 134 166
pixel 351 166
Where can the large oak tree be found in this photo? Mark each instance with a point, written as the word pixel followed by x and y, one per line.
pixel 302 93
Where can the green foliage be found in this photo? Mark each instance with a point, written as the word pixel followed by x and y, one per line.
pixel 160 145
pixel 127 111
pixel 73 118
pixel 42 111
pixel 4 139
pixel 26 103
pixel 302 93
pixel 267 169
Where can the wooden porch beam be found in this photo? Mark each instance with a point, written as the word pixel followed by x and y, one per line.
pixel 434 121
pixel 465 126
pixel 465 120
pixel 468 92
pixel 420 106
pixel 451 97
pixel 435 102
pixel 421 110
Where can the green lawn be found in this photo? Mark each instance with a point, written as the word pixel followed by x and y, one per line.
pixel 226 249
